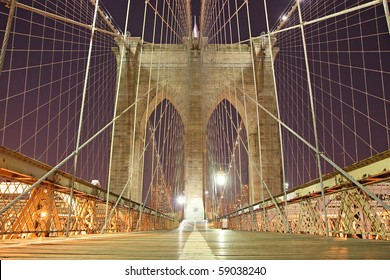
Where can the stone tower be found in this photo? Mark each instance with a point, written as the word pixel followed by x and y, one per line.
pixel 195 81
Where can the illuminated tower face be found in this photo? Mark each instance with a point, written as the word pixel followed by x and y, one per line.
pixel 196 83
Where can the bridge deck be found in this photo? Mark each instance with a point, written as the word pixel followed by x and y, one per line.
pixel 195 242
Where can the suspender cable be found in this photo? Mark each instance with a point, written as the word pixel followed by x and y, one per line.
pixel 2 58
pixel 387 13
pixel 147 116
pixel 239 137
pixel 322 155
pixel 251 162
pixel 277 108
pixel 132 153
pixel 7 33
pixel 153 129
pixel 313 117
pixel 66 159
pixel 81 119
pixel 119 77
pixel 257 108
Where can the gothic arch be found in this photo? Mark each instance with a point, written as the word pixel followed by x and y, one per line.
pixel 236 101
pixel 155 102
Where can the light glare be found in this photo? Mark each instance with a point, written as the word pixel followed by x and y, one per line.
pixel 180 200
pixel 220 178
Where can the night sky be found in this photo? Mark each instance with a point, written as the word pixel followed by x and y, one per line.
pixel 349 74
pixel 117 9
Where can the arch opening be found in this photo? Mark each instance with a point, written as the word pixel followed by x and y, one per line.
pixel 227 162
pixel 163 175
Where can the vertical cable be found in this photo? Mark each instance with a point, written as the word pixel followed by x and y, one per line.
pixel 26 72
pixel 3 52
pixel 147 115
pixel 257 108
pixel 132 153
pixel 381 63
pixel 153 131
pixel 387 13
pixel 251 186
pixel 81 119
pixel 313 117
pixel 7 33
pixel 277 110
pixel 122 54
pixel 239 137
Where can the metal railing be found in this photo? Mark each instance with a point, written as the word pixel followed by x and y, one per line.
pixel 43 211
pixel 350 211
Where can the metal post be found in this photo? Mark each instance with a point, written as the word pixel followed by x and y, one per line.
pixel 313 116
pixel 285 222
pixel 7 32
pixel 387 13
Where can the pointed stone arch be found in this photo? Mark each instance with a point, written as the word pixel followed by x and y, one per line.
pixel 159 97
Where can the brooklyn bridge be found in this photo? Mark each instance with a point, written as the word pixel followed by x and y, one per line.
pixel 221 129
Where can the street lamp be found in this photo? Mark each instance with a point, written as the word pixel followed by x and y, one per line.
pixel 220 178
pixel 181 200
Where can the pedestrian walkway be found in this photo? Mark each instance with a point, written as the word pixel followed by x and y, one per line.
pixel 195 242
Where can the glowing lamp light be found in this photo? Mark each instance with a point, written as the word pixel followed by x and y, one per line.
pixel 220 178
pixel 284 18
pixel 181 200
pixel 95 183
pixel 43 214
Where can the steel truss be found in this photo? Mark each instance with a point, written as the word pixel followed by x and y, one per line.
pixel 351 213
pixel 43 211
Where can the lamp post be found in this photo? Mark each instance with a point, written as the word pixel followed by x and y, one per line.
pixel 207 204
pixel 220 178
pixel 180 200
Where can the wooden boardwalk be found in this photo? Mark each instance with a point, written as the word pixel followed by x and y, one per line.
pixel 195 242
